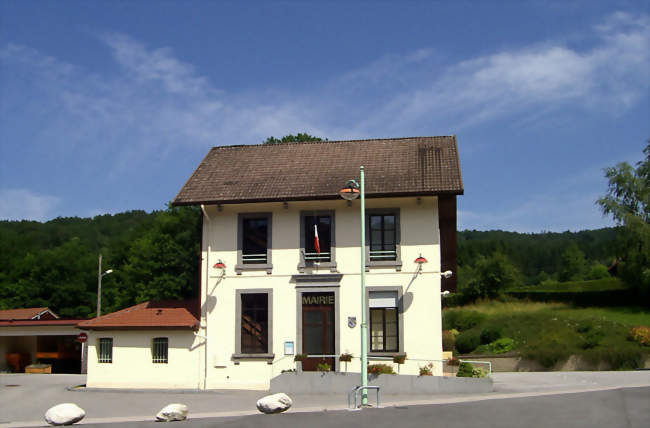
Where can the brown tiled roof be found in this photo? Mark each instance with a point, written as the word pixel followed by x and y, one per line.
pixel 318 170
pixel 26 314
pixel 168 314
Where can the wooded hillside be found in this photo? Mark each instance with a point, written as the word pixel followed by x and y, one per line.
pixel 156 256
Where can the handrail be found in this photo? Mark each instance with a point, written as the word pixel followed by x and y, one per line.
pixel 356 393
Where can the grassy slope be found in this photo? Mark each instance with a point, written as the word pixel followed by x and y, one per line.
pixel 551 332
pixel 574 286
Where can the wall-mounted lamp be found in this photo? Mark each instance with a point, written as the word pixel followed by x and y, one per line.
pixel 220 265
pixel 446 274
pixel 421 260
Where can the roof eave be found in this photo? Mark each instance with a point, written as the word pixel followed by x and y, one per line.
pixel 316 198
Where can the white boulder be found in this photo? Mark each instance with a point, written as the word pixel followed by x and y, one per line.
pixel 275 403
pixel 64 414
pixel 172 412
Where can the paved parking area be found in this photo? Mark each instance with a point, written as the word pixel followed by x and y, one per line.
pixel 25 398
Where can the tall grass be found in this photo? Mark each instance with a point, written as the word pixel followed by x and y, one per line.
pixel 550 332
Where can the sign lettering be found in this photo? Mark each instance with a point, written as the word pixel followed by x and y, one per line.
pixel 317 299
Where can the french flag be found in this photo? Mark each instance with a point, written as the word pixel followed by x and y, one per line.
pixel 316 242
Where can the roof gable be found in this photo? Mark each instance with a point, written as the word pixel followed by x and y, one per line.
pixel 27 314
pixel 318 170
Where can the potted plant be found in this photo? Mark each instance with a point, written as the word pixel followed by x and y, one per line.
pixel 399 359
pixel 346 357
pixel 426 370
pixel 324 367
pixel 299 358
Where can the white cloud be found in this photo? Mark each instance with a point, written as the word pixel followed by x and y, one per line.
pixel 610 76
pixel 23 204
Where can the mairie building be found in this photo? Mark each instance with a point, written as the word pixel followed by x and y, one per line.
pixel 281 265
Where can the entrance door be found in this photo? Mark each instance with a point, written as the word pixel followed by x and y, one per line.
pixel 318 329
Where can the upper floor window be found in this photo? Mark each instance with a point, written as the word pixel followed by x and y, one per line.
pixel 160 350
pixel 317 246
pixel 382 237
pixel 105 350
pixel 254 242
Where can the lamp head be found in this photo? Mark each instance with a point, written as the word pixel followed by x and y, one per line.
pixel 350 191
pixel 447 274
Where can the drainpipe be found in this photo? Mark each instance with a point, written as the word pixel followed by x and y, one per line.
pixel 204 311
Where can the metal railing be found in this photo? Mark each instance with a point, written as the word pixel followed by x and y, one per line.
pixel 355 391
pixel 254 258
pixel 383 254
pixel 489 364
pixel 318 257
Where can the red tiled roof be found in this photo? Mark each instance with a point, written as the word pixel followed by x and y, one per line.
pixel 26 314
pixel 168 314
pixel 415 166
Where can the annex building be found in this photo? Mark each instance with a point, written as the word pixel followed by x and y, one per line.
pixel 281 268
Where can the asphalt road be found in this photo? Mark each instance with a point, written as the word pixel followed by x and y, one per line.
pixel 626 407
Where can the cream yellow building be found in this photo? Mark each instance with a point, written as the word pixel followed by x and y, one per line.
pixel 281 268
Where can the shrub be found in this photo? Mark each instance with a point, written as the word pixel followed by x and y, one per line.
pixel 592 339
pixel 399 358
pixel 323 367
pixel 465 370
pixel 547 353
pixel 426 370
pixel 503 345
pixel 479 372
pixel 378 369
pixel 468 341
pixel 640 335
pixel 300 357
pixel 345 358
pixel 489 334
pixel 624 358
pixel 461 319
pixel 448 340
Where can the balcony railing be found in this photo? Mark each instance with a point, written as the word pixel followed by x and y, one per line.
pixel 318 257
pixel 254 258
pixel 379 255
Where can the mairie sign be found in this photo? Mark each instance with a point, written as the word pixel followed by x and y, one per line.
pixel 318 299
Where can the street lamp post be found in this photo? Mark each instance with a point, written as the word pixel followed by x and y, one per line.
pixel 350 192
pixel 100 275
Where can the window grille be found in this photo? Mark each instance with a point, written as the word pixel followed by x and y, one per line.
pixel 105 354
pixel 160 350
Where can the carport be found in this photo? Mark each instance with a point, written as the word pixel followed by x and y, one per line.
pixel 40 337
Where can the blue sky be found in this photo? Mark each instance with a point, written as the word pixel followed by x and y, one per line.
pixel 109 106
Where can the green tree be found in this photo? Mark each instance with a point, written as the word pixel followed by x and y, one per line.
pixel 300 137
pixel 163 263
pixel 491 276
pixel 574 265
pixel 628 202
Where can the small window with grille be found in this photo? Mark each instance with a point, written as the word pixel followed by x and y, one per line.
pixel 105 351
pixel 160 350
